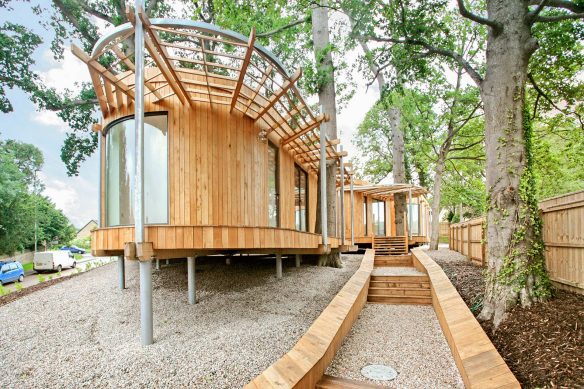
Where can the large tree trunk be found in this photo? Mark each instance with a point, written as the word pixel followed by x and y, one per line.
pixel 436 195
pixel 399 169
pixel 516 268
pixel 327 99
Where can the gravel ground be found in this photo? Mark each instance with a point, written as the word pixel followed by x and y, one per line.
pixel 84 332
pixel 405 337
pixel 396 271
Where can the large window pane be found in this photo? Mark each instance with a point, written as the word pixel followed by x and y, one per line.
pixel 365 216
pixel 414 218
pixel 300 198
pixel 273 187
pixel 119 172
pixel 379 217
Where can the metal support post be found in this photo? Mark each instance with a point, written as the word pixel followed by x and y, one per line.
pixel 191 280
pixel 279 266
pixel 121 272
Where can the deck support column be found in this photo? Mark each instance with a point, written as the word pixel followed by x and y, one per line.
pixel 146 301
pixel 279 266
pixel 323 203
pixel 342 198
pixel 121 272
pixel 191 280
pixel 157 264
pixel 228 261
pixel 409 213
pixel 298 260
pixel 352 212
pixel 145 263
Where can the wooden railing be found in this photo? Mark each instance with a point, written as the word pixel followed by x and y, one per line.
pixel 563 236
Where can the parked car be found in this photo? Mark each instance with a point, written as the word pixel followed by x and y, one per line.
pixel 53 260
pixel 11 272
pixel 73 249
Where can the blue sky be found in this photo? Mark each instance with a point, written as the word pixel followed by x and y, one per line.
pixel 78 196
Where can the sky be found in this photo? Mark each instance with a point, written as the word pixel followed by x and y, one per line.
pixel 78 196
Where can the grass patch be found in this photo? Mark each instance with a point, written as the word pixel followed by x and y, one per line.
pixel 443 239
pixel 77 256
pixel 28 266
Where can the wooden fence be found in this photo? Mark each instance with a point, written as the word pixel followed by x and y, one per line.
pixel 444 230
pixel 563 235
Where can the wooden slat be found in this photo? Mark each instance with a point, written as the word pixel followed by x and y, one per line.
pixel 243 68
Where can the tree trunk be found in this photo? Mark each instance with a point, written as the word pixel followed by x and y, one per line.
pixel 399 169
pixel 516 268
pixel 327 100
pixel 435 224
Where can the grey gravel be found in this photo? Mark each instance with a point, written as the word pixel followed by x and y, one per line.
pixel 84 332
pixel 444 255
pixel 407 338
pixel 396 271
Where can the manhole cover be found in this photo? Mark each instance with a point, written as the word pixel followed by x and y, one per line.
pixel 379 372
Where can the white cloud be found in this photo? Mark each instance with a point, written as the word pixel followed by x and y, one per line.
pixel 48 118
pixel 75 196
pixel 65 73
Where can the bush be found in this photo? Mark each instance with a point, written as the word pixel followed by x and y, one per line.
pixel 84 243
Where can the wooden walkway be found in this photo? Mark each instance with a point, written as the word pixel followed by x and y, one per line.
pixel 305 364
pixel 477 359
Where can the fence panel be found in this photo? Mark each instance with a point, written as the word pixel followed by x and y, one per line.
pixel 563 236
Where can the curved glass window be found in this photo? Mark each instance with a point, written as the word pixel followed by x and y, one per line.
pixel 119 171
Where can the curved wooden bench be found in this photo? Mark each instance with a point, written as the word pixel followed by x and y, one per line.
pixel 305 364
pixel 477 359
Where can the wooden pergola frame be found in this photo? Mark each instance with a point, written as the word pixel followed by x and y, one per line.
pixel 385 191
pixel 236 72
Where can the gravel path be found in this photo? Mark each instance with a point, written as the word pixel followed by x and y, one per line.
pixel 84 332
pixel 405 337
pixel 396 271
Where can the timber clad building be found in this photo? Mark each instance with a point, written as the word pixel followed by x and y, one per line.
pixel 231 150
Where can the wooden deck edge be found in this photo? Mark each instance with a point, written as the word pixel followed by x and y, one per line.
pixel 304 365
pixel 477 359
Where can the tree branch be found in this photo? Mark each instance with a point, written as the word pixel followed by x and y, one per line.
pixel 437 50
pixel 533 14
pixel 496 26
pixel 283 28
pixel 565 4
pixel 558 18
pixel 98 14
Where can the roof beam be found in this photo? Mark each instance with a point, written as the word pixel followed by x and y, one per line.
pixel 160 56
pixel 258 88
pixel 96 81
pixel 106 74
pixel 279 93
pixel 319 119
pixel 243 69
pixel 132 67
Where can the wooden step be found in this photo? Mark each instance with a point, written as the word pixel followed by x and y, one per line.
pixel 403 284
pixel 402 278
pixel 393 262
pixel 372 298
pixel 329 382
pixel 412 292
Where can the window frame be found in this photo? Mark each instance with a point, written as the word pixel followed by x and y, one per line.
pixel 301 170
pixel 374 203
pixel 277 182
pixel 103 178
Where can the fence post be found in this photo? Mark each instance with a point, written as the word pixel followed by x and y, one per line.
pixel 483 244
pixel 468 234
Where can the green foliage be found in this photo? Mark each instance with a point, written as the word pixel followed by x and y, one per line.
pixel 41 278
pixel 18 286
pixel 84 243
pixel 20 203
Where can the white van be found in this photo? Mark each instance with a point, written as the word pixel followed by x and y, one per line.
pixel 53 260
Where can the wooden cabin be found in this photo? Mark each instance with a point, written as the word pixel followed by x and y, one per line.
pixel 374 215
pixel 231 148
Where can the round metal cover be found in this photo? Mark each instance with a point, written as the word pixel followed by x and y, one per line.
pixel 379 372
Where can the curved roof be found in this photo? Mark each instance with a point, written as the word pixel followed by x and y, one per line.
pixel 199 62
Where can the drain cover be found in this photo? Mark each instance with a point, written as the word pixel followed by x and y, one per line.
pixel 379 372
